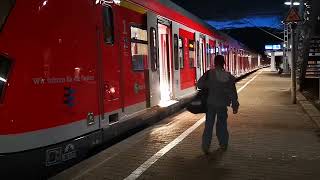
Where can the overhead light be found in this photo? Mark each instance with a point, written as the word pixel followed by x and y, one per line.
pixel 287 3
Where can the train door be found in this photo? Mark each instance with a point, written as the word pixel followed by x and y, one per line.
pixel 208 59
pixel 186 55
pixel 133 57
pixel 177 54
pixel 124 52
pixel 154 72
pixel 226 57
pixel 234 62
pixel 165 61
pixel 212 53
pixel 238 63
pixel 241 63
pixel 200 56
pixel 202 52
pixel 231 60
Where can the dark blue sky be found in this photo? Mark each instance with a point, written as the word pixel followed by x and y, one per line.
pixel 237 13
pixel 250 21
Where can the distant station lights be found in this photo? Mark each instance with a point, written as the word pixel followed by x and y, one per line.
pixel 288 3
pixel 273 47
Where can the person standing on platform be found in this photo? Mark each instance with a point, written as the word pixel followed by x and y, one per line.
pixel 222 93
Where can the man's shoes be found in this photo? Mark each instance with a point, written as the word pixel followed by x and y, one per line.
pixel 205 151
pixel 223 147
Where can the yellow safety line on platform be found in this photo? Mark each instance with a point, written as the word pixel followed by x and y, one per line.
pixel 142 168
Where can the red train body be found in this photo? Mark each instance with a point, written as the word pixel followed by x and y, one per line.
pixel 71 71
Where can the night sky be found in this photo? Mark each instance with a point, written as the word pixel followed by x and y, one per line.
pixel 237 13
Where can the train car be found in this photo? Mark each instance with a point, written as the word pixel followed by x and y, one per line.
pixel 73 73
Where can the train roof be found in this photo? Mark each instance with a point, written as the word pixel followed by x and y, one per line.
pixel 186 13
pixel 163 7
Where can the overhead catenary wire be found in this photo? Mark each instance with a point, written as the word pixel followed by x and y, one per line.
pixel 263 30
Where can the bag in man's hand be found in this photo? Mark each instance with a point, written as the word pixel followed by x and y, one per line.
pixel 199 102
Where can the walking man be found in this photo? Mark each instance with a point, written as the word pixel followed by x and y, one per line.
pixel 222 93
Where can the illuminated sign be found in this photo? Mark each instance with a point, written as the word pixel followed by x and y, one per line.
pixel 268 47
pixel 276 47
pixel 273 47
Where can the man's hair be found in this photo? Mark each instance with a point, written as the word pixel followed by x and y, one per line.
pixel 219 61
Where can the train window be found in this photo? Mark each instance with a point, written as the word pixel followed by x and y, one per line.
pixel 191 53
pixel 176 51
pixel 138 34
pixel 5 8
pixel 5 65
pixel 153 49
pixel 139 48
pixel 108 27
pixel 181 52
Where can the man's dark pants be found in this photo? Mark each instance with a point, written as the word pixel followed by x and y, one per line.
pixel 221 126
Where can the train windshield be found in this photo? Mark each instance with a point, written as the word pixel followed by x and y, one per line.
pixel 5 8
pixel 5 65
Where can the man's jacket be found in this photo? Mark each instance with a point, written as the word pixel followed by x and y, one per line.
pixel 221 87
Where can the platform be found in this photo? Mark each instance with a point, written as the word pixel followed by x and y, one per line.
pixel 269 139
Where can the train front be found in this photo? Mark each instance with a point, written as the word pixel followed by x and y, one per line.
pixel 46 70
pixel 8 45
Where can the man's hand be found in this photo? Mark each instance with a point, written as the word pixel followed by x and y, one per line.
pixel 235 111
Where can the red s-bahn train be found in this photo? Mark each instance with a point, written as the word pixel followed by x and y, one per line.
pixel 72 73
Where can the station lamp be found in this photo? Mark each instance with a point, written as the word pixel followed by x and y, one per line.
pixel 288 3
pixel 296 4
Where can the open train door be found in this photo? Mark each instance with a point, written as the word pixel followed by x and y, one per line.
pixel 212 49
pixel 154 71
pixel 203 53
pixel 165 61
pixel 201 65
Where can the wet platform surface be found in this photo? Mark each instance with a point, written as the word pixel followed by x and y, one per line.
pixel 269 139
